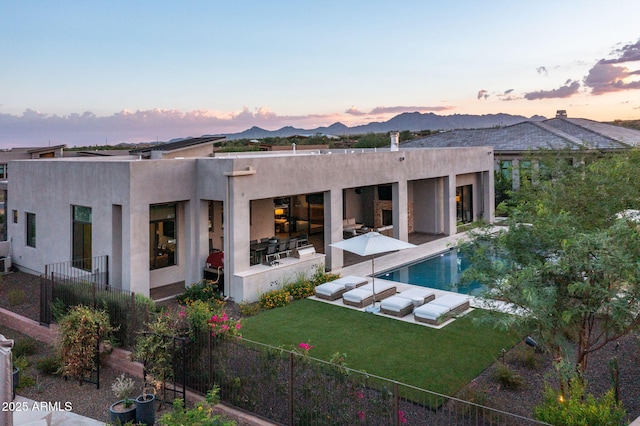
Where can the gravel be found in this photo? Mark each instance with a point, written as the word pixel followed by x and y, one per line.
pixel 89 401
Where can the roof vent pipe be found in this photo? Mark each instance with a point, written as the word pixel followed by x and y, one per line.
pixel 395 137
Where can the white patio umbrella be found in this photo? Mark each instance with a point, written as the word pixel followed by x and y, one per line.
pixel 370 244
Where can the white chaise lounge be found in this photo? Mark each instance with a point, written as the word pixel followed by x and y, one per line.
pixel 403 303
pixel 363 296
pixel 334 290
pixel 441 308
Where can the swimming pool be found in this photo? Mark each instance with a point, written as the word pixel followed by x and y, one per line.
pixel 441 272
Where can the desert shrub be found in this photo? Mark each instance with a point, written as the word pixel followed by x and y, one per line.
pixel 578 408
pixel 122 388
pixel 507 378
pixel 249 309
pixel 49 365
pixel 301 288
pixel 200 414
pixel 320 276
pixel 527 357
pixel 25 347
pixel 204 290
pixel 274 299
pixel 15 296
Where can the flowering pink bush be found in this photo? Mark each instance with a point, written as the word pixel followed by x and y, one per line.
pixel 307 347
pixel 223 325
pixel 401 417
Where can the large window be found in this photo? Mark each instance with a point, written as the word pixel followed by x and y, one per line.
pixel 81 237
pixel 464 204
pixel 31 229
pixel 162 236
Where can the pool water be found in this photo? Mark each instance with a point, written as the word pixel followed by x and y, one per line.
pixel 441 272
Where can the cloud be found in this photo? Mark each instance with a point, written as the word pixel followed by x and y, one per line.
pixel 381 110
pixel 483 94
pixel 506 92
pixel 355 111
pixel 627 53
pixel 569 89
pixel 401 109
pixel 542 70
pixel 34 128
pixel 607 75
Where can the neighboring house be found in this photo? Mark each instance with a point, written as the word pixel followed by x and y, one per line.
pixel 515 145
pixel 158 213
pixel 19 154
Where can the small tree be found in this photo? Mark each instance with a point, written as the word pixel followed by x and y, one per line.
pixel 567 263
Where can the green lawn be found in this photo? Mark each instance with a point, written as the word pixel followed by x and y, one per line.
pixel 437 360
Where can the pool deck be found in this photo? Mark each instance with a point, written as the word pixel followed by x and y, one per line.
pixel 403 257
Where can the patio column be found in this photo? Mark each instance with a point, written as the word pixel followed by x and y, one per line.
pixel 333 228
pixel 236 232
pixel 400 210
pixel 449 197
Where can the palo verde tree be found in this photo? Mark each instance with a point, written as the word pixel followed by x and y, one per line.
pixel 568 263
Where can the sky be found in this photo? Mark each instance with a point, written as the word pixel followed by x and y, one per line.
pixel 86 73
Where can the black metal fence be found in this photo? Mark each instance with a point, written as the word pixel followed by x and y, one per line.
pixel 127 311
pixel 291 388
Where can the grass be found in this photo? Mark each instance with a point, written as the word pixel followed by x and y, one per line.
pixel 437 360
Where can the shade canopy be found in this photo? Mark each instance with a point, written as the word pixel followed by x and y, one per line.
pixel 371 243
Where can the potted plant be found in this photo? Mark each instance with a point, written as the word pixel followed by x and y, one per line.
pixel 20 363
pixel 145 404
pixel 123 410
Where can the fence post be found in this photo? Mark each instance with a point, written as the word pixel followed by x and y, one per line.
pixel 134 318
pixel 396 404
pixel 291 388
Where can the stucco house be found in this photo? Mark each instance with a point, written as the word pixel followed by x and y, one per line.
pixel 157 214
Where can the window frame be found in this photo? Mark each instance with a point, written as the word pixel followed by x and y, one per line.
pixel 81 237
pixel 31 227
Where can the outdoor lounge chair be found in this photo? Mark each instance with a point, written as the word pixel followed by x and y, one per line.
pixel 403 303
pixel 441 308
pixel 334 290
pixel 363 296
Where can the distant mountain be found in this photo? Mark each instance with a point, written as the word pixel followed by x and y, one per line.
pixel 412 121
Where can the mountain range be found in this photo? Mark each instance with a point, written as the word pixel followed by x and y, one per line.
pixel 412 121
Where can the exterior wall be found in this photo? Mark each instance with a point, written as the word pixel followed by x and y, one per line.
pixel 120 191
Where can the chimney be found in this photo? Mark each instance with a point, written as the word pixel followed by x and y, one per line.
pixel 395 138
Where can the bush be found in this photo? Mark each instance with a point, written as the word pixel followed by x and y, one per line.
pixel 15 296
pixel 49 365
pixel 81 329
pixel 579 409
pixel 274 299
pixel 508 378
pixel 249 309
pixel 201 414
pixel 527 357
pixel 25 347
pixel 203 290
pixel 320 276
pixel 300 289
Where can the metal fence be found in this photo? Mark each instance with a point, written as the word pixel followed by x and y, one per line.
pixel 291 388
pixel 64 285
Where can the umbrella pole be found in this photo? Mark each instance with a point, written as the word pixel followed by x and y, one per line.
pixel 373 308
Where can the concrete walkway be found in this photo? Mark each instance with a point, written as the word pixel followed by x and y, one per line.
pixel 39 413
